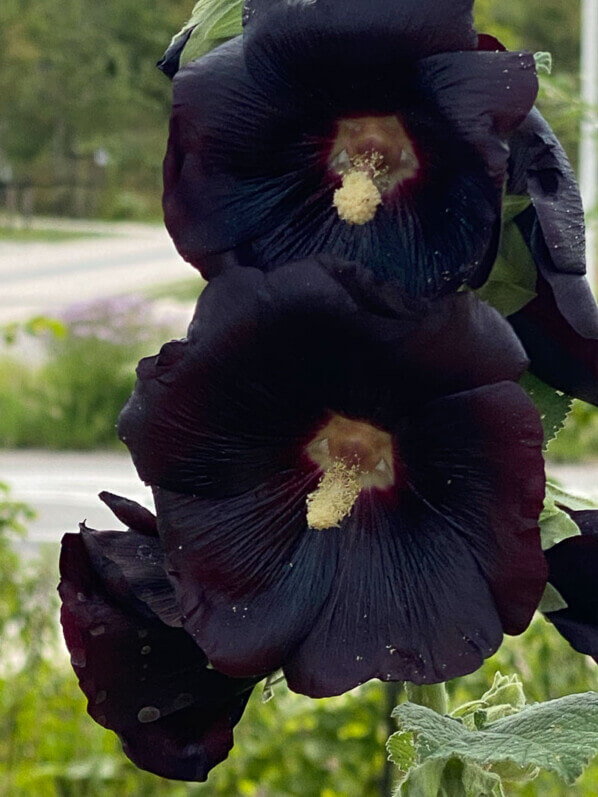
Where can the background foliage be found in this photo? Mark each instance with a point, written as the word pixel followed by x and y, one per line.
pixel 78 75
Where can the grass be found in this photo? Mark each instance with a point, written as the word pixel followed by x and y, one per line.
pixel 34 235
pixel 180 290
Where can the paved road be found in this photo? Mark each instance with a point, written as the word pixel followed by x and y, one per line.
pixel 63 487
pixel 43 278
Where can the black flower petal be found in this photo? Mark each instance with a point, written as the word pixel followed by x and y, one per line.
pixel 573 570
pixel 559 328
pixel 169 63
pixel 315 43
pixel 144 680
pixel 220 424
pixel 247 167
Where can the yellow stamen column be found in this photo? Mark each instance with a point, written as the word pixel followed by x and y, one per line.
pixel 334 498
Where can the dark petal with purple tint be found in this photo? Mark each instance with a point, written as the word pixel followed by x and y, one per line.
pixel 485 96
pixel 559 328
pixel 424 589
pixel 169 63
pixel 236 159
pixel 132 514
pixel 573 570
pixel 144 680
pixel 314 44
pixel 269 355
pixel 476 459
pixel 132 567
pixel 540 168
pixel 560 354
pixel 251 579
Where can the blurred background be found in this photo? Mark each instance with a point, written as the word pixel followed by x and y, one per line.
pixel 90 283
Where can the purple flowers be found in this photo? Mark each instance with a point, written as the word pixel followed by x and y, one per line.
pixel 347 476
pixel 347 481
pixel 143 676
pixel 359 131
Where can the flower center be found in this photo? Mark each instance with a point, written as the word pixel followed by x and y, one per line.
pixel 354 455
pixel 373 154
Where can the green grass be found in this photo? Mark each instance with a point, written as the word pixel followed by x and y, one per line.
pixel 35 235
pixel 181 290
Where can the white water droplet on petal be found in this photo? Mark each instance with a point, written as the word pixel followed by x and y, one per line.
pixel 148 714
pixel 78 657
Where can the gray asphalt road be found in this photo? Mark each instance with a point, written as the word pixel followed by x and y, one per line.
pixel 63 487
pixel 42 278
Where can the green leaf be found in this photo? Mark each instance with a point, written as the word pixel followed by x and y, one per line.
pixel 452 778
pixel 213 22
pixel 513 205
pixel 562 497
pixel 560 736
pixel 512 282
pixel 401 750
pixel 423 780
pixel 555 525
pixel 553 405
pixel 552 600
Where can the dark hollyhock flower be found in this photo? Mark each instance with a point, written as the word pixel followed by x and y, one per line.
pixel 347 480
pixel 143 675
pixel 573 570
pixel 356 129
pixel 559 328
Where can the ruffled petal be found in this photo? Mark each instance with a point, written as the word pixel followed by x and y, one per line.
pixel 236 160
pixel 487 479
pixel 540 168
pixel 559 330
pixel 144 680
pixel 314 44
pixel 573 570
pixel 250 576
pixel 485 96
pixel 269 355
pixel 424 589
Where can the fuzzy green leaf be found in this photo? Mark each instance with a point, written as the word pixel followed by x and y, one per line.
pixel 452 778
pixel 553 405
pixel 401 750
pixel 559 735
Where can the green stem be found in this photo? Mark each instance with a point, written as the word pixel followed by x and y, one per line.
pixel 392 693
pixel 432 696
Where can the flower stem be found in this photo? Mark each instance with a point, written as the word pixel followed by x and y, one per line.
pixel 392 693
pixel 432 696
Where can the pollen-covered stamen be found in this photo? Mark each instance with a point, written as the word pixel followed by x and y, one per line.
pixel 354 456
pixel 373 154
pixel 334 497
pixel 358 198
